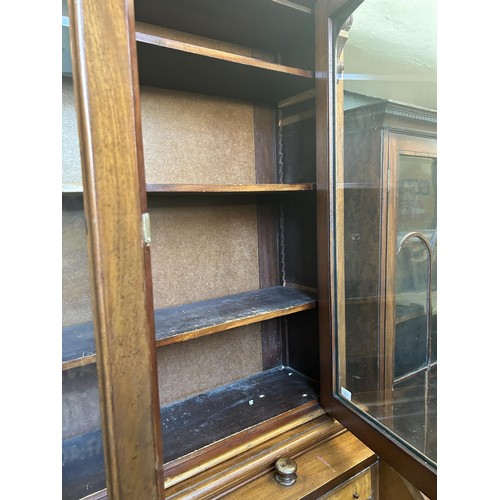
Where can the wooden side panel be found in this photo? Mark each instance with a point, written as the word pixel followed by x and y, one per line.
pixel 298 144
pixel 324 190
pixel 267 226
pixel 393 486
pixel 303 344
pixel 103 53
pixel 299 240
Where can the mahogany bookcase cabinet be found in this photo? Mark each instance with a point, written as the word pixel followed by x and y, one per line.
pixel 196 309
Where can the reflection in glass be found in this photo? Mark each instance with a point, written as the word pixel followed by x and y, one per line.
pixel 415 303
pixel 386 220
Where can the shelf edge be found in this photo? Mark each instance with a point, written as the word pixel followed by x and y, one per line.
pixel 144 34
pixel 207 330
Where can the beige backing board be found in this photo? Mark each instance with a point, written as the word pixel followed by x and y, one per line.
pixel 71 162
pixel 188 138
pixel 201 248
pixel 184 370
pixel 76 297
pixel 196 139
pixel 190 368
pixel 201 251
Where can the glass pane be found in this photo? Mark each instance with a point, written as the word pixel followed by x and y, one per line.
pixel 386 219
pixel 416 214
pixel 417 184
pixel 83 470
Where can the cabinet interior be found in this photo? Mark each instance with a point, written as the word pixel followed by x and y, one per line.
pixel 228 129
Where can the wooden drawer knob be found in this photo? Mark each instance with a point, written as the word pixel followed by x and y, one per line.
pixel 286 470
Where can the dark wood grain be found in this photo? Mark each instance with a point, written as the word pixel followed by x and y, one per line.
pixel 300 240
pixel 172 64
pixel 297 155
pixel 227 410
pixel 257 23
pixel 181 323
pixel 394 116
pixel 192 320
pixel 298 129
pixel 268 227
pixel 325 122
pixel 195 423
pixel 265 144
pixel 173 69
pixel 153 35
pixel 303 343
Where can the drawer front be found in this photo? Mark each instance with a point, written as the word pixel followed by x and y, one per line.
pixel 324 468
pixel 360 487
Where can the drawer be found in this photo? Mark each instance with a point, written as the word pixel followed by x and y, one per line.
pixel 362 487
pixel 323 470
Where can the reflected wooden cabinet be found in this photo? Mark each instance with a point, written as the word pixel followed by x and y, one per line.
pixel 390 180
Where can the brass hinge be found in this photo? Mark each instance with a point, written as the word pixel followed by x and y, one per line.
pixel 146 229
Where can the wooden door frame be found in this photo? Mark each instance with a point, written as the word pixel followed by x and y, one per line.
pixel 106 86
pixel 330 15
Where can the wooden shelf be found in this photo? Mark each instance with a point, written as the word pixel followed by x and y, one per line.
pixel 155 35
pixel 265 24
pixel 211 188
pixel 189 321
pixel 171 64
pixel 204 422
pixel 229 188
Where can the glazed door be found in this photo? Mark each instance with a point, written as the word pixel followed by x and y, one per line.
pixel 411 291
